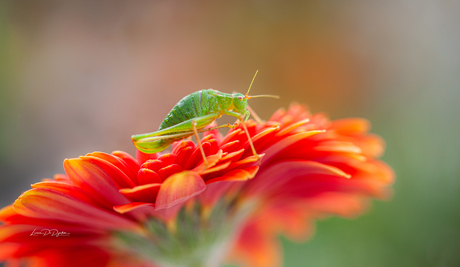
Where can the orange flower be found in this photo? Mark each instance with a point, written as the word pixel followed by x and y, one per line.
pixel 160 210
pixel 170 179
pixel 307 174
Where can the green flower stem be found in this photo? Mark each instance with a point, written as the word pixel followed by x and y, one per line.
pixel 196 241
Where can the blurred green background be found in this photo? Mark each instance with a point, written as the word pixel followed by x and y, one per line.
pixel 80 76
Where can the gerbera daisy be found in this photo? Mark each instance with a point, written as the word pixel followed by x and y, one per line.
pixel 167 210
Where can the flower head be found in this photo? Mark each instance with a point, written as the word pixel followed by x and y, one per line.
pixel 167 209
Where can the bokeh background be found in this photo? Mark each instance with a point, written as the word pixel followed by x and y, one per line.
pixel 80 76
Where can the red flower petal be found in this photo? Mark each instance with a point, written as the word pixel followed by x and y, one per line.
pixel 232 134
pixel 52 204
pixel 214 192
pixel 131 206
pixel 131 162
pixel 93 179
pixel 142 193
pixel 111 163
pixel 237 175
pixel 72 190
pixel 230 146
pixel 183 150
pixel 245 161
pixel 147 176
pixel 292 127
pixel 256 248
pixel 143 157
pixel 153 164
pixel 6 213
pixel 351 126
pixel 217 168
pixel 167 159
pixel 212 161
pixel 234 156
pixel 288 170
pixel 178 188
pixel 285 143
pixel 169 170
pixel 196 156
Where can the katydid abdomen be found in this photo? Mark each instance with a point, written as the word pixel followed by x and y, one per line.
pixel 194 106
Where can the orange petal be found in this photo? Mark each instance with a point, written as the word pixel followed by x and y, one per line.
pixel 142 193
pixel 295 222
pixel 343 204
pixel 147 176
pixel 169 170
pixel 143 157
pixel 287 142
pixel 247 160
pixel 196 156
pixel 277 115
pixel 6 213
pixel 351 126
pixel 110 162
pixel 337 146
pixel 289 170
pixel 261 135
pixel 214 193
pixel 293 126
pixel 256 248
pixel 153 164
pixel 118 176
pixel 94 180
pixel 178 188
pixel 72 190
pixel 237 175
pixel 215 169
pixel 183 151
pixel 52 204
pixel 229 137
pixel 167 159
pixel 230 146
pixel 132 206
pixel 372 145
pixel 130 161
pixel 233 156
pixel 8 249
pixel 212 161
pixel 61 177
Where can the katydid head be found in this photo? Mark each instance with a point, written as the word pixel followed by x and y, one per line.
pixel 239 102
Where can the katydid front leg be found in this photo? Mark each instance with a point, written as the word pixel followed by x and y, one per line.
pixel 195 132
pixel 242 119
pixel 254 115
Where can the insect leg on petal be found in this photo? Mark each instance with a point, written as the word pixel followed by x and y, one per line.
pixel 254 115
pixel 195 132
pixel 242 118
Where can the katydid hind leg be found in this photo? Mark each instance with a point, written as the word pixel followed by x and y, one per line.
pixel 156 144
pixel 185 126
pixel 195 131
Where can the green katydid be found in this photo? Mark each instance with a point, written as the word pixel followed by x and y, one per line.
pixel 193 113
